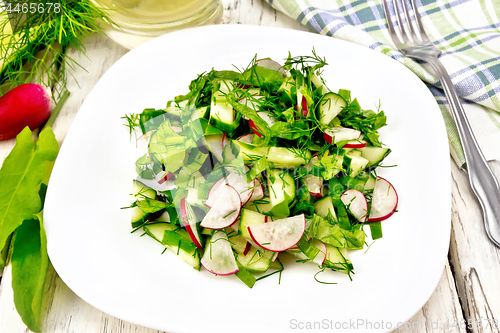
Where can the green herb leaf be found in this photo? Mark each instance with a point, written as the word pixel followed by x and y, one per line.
pixel 366 121
pixel 30 263
pixel 51 34
pixel 245 276
pixel 337 236
pixel 148 205
pixel 20 177
pixel 290 131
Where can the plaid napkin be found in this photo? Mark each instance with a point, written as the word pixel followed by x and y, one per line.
pixel 467 32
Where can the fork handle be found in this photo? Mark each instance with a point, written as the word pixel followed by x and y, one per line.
pixel 483 182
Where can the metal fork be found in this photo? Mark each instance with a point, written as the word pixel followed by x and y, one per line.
pixel 414 43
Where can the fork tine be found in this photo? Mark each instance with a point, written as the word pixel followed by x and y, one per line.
pixel 418 21
pixel 404 30
pixel 392 30
pixel 411 29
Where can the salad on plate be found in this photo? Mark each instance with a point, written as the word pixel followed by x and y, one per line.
pixel 256 164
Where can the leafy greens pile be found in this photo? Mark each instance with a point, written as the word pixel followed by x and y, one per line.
pixel 187 124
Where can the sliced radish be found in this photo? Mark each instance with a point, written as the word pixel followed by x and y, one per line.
pixel 384 200
pixel 279 235
pixel 154 184
pixel 314 185
pixel 267 116
pixel 305 108
pixel 218 257
pixel 356 203
pixel 143 140
pixel 247 249
pixel 236 180
pixel 355 144
pixel 258 191
pixel 247 138
pixel 336 134
pixel 165 176
pixel 272 65
pixel 225 209
pixel 189 222
pixel 213 193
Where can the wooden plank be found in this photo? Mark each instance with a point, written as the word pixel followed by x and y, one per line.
pixel 101 53
pixel 474 259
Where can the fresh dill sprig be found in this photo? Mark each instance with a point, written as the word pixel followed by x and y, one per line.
pixel 133 122
pixel 34 49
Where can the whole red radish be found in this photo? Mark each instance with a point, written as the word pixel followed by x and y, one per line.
pixel 26 105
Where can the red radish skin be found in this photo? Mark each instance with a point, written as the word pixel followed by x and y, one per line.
pixel 384 201
pixel 238 182
pixel 168 176
pixel 272 65
pixel 188 226
pixel 356 203
pixel 356 144
pixel 305 109
pixel 254 128
pixel 268 117
pixel 29 105
pixel 247 248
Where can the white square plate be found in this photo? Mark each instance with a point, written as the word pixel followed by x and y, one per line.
pixel 123 274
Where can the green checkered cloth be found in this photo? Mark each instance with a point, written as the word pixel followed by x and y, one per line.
pixel 467 32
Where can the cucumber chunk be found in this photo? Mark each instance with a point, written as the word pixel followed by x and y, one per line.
pixel 140 191
pixel 330 106
pixel 374 155
pixel 281 192
pixel 255 260
pixel 338 259
pixel 280 157
pixel 175 240
pixel 248 218
pixel 325 207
